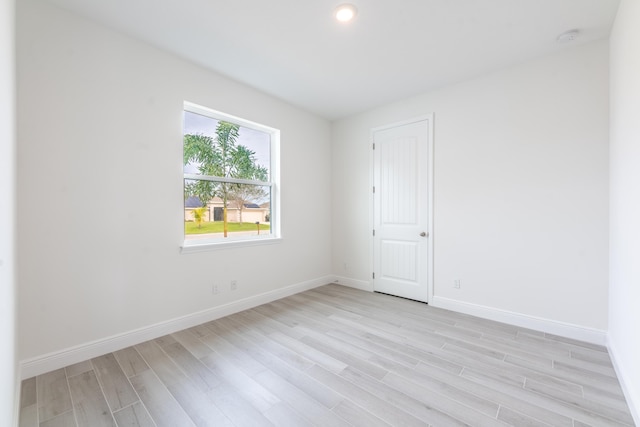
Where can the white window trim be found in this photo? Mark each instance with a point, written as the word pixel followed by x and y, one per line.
pixel 203 245
pixel 230 242
pixel 229 180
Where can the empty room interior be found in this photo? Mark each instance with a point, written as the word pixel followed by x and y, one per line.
pixel 441 202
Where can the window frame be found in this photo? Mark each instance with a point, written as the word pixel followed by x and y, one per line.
pixel 274 236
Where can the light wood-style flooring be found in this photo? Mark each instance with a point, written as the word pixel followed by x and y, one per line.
pixel 336 356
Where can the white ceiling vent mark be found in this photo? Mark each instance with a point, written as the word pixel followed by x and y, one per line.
pixel 568 36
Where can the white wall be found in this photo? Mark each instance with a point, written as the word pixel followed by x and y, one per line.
pixel 624 293
pixel 521 190
pixel 100 186
pixel 7 206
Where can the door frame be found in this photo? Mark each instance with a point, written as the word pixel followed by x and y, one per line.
pixel 429 117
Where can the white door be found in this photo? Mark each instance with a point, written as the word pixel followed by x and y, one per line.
pixel 401 209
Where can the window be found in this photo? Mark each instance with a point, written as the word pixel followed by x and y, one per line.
pixel 230 180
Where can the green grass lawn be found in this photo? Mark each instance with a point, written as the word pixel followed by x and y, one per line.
pixel 191 227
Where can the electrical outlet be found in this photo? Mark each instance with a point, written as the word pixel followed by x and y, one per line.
pixel 456 283
pixel 234 285
pixel 215 289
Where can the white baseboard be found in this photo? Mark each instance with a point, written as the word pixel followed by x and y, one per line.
pixel 594 336
pixel 353 283
pixel 633 400
pixel 18 395
pixel 59 359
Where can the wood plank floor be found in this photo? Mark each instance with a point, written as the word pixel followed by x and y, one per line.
pixel 335 356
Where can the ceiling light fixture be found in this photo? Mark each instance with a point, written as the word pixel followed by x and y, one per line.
pixel 345 12
pixel 568 36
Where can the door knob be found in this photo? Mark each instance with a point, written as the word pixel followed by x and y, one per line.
pixel 423 234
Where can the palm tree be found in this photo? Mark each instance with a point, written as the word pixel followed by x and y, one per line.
pixel 199 215
pixel 220 157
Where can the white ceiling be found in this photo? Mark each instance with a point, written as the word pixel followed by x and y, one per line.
pixel 296 51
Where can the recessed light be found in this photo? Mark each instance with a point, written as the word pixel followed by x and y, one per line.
pixel 345 12
pixel 568 36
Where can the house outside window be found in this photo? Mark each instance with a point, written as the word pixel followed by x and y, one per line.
pixel 230 180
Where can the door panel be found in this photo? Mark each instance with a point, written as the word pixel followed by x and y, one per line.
pixel 401 210
pixel 398 260
pixel 397 186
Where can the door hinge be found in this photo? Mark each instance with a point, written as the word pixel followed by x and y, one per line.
pixel 374 189
pixel 373 145
pixel 373 275
pixel 374 233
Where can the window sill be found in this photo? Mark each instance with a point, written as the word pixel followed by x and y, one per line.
pixel 206 246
